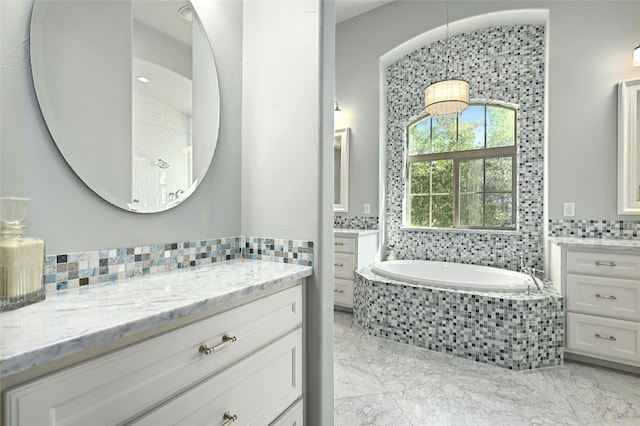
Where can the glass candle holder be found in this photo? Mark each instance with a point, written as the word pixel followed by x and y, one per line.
pixel 21 257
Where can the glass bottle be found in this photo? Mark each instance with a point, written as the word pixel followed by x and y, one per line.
pixel 21 257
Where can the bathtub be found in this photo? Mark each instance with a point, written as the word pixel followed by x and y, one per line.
pixel 488 316
pixel 454 275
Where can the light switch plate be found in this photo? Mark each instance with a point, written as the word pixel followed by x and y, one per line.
pixel 569 209
pixel 367 208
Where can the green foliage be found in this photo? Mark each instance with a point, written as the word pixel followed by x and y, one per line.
pixel 485 184
pixel 501 129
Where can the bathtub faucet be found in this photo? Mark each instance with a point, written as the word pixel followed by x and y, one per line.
pixel 528 270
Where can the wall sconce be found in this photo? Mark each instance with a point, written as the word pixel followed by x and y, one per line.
pixel 636 56
pixel 337 113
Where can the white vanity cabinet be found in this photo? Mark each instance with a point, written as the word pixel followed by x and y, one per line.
pixel 352 249
pixel 242 364
pixel 601 285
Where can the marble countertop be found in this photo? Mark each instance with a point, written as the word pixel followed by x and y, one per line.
pixel 596 242
pixel 349 231
pixel 70 321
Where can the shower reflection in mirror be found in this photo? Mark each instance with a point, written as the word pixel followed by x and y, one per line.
pixel 162 108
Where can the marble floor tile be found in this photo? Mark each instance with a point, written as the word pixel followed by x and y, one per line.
pixel 353 377
pixel 378 382
pixel 372 410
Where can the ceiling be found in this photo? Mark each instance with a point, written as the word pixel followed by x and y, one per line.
pixel 347 9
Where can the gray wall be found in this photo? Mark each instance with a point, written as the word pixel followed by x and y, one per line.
pixel 590 45
pixel 64 211
pixel 287 147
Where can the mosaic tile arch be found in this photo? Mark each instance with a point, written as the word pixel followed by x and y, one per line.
pixel 503 64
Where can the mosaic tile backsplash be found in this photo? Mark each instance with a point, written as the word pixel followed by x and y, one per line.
pixel 356 222
pixel 504 64
pixel 73 270
pixel 605 229
pixel 510 330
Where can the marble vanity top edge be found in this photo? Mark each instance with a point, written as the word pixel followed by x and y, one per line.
pixel 115 310
pixel 595 242
pixel 349 231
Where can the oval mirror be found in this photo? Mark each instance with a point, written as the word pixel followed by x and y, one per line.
pixel 129 92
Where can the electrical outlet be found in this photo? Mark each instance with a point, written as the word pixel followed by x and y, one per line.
pixel 569 209
pixel 367 208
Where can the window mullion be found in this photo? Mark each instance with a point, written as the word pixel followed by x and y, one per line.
pixel 484 192
pixel 456 193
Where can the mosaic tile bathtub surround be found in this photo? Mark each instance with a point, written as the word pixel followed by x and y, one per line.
pixel 73 270
pixel 605 229
pixel 504 64
pixel 356 222
pixel 509 330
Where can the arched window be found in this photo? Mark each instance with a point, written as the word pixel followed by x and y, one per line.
pixel 461 170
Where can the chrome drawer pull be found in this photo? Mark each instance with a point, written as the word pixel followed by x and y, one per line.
pixel 226 341
pixel 599 296
pixel 601 263
pixel 338 291
pixel 338 244
pixel 598 336
pixel 228 418
pixel 339 264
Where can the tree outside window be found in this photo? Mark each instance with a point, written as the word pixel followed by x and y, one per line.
pixel 461 169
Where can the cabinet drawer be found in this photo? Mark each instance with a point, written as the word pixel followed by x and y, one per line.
pixel 611 297
pixel 256 390
pixel 344 245
pixel 293 416
pixel 343 292
pixel 344 265
pixel 614 339
pixel 607 264
pixel 120 385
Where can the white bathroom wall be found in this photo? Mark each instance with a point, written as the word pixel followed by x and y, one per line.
pixel 287 147
pixel 590 45
pixel 65 212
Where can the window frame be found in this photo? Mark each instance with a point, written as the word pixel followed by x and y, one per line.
pixel 457 157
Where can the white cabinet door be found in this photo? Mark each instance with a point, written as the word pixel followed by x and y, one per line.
pixel 254 391
pixel 125 383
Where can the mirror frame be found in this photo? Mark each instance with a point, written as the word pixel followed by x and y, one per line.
pixel 628 147
pixel 341 137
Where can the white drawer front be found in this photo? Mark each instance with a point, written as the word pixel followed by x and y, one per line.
pixel 343 292
pixel 614 339
pixel 604 264
pixel 344 266
pixel 117 386
pixel 293 416
pixel 344 245
pixel 256 390
pixel 611 297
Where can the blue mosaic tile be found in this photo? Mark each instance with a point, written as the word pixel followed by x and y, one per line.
pixel 70 270
pixel 502 64
pixel 605 229
pixel 356 222
pixel 515 331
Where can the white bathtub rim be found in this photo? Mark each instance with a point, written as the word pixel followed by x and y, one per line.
pixel 522 283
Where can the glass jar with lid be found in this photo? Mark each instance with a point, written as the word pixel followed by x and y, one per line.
pixel 21 257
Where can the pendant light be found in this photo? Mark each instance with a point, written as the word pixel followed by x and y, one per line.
pixel 636 56
pixel 449 96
